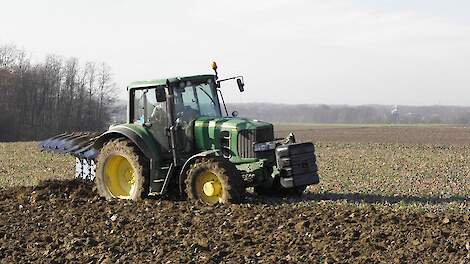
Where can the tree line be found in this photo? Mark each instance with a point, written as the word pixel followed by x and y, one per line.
pixel 362 114
pixel 39 100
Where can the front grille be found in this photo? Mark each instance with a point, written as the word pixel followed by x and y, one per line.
pixel 246 139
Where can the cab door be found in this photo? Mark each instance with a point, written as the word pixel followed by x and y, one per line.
pixel 153 115
pixel 186 112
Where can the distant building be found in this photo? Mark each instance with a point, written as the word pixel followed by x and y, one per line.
pixel 395 114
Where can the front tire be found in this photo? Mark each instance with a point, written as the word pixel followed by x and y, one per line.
pixel 121 171
pixel 214 181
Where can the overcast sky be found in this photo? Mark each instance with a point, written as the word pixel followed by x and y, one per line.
pixel 290 51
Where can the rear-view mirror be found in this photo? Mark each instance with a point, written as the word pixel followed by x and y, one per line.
pixel 241 85
pixel 160 94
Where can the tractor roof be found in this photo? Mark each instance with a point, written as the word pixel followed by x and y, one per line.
pixel 162 82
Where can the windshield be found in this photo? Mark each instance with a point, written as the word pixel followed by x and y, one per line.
pixel 194 100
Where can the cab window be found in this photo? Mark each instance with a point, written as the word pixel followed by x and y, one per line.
pixel 147 109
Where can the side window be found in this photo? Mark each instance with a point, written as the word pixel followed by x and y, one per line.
pixel 186 106
pixel 139 109
pixel 206 103
pixel 147 109
pixel 189 100
pixel 156 111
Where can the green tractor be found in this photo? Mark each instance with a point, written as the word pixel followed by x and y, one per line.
pixel 179 139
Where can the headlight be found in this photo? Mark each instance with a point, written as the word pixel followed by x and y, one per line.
pixel 265 146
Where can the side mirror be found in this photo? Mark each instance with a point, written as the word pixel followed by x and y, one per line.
pixel 160 94
pixel 241 85
pixel 234 113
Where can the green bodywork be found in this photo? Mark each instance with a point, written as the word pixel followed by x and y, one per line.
pixel 207 133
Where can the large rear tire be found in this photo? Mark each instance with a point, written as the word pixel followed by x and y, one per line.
pixel 121 171
pixel 214 181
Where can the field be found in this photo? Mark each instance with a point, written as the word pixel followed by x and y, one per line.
pixel 392 164
pixel 387 194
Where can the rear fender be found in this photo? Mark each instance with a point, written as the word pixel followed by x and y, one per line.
pixel 143 140
pixel 141 137
pixel 191 160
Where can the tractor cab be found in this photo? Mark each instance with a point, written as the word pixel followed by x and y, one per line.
pixel 193 96
pixel 160 104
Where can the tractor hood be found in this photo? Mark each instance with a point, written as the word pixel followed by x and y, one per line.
pixel 230 134
pixel 230 123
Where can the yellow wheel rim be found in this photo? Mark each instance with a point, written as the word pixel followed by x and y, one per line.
pixel 119 177
pixel 209 188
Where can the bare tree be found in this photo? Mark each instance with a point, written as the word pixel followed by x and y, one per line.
pixel 43 99
pixel 105 90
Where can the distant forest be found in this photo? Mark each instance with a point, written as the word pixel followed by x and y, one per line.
pixel 339 114
pixel 281 113
pixel 39 100
pixel 59 94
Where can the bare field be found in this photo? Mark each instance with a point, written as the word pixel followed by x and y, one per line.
pixel 387 194
pixel 388 164
pixel 22 164
pixel 394 134
pixel 406 165
pixel 58 222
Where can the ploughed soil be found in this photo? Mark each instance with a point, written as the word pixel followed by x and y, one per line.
pixel 65 221
pixel 396 134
